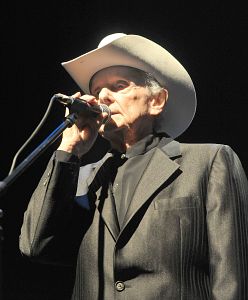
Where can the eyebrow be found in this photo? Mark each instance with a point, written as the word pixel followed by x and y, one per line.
pixel 117 80
pixel 132 76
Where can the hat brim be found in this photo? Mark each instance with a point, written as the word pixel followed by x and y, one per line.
pixel 142 53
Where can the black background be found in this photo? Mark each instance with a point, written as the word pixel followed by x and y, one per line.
pixel 208 38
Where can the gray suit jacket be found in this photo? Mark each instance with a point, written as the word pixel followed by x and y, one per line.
pixel 184 236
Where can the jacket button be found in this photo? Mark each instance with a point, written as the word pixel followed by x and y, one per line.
pixel 120 286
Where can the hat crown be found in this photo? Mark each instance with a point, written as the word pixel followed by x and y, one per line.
pixel 110 38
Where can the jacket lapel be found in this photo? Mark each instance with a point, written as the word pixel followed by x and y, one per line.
pixel 105 203
pixel 108 213
pixel 160 168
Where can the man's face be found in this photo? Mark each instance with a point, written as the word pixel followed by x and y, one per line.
pixel 123 90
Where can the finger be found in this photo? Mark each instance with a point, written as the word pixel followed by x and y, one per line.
pixel 76 95
pixel 101 118
pixel 67 111
pixel 89 98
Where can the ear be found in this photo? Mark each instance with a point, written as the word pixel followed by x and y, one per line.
pixel 157 102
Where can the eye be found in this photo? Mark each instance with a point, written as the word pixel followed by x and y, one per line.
pixel 96 92
pixel 120 85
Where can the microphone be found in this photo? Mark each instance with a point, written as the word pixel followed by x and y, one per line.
pixel 77 105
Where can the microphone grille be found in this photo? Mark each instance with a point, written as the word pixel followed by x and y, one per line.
pixel 107 110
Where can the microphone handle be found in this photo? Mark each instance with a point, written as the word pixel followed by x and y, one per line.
pixel 77 105
pixel 87 110
pixel 83 107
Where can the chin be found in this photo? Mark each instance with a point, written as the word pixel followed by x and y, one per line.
pixel 112 129
pixel 113 124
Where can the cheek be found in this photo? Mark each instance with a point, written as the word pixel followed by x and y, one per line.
pixel 133 114
pixel 138 107
pixel 133 107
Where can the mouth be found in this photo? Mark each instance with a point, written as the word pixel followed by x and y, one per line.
pixel 113 110
pixel 114 113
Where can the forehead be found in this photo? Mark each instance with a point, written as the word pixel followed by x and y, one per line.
pixel 114 72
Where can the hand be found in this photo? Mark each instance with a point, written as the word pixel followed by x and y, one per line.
pixel 80 137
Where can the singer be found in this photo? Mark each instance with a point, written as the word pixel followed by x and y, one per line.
pixel 152 218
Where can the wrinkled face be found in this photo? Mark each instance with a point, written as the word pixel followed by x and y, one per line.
pixel 123 90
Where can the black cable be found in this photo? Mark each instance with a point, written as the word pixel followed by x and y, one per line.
pixel 32 135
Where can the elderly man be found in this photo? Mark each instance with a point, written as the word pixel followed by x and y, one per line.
pixel 152 219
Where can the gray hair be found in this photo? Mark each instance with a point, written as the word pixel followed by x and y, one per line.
pixel 146 79
pixel 153 85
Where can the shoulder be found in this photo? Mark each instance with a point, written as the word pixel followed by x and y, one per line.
pixel 195 151
pixel 211 154
pixel 206 147
pixel 209 150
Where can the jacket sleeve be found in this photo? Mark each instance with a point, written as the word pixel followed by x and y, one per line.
pixel 53 223
pixel 227 221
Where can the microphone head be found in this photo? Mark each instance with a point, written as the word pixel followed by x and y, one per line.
pixel 107 110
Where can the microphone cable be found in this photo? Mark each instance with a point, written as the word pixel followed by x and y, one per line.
pixel 32 134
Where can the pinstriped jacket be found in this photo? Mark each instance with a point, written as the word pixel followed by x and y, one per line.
pixel 184 236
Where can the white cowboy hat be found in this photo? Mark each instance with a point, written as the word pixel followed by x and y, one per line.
pixel 141 53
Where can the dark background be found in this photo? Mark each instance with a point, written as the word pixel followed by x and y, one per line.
pixel 208 38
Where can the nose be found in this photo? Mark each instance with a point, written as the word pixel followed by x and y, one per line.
pixel 105 96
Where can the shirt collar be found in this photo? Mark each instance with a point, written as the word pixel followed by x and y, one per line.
pixel 142 146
